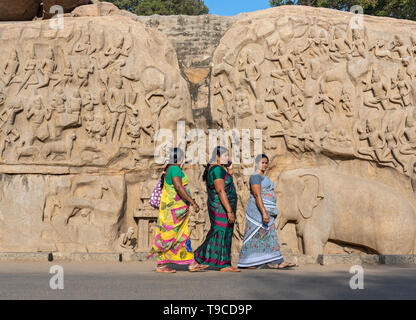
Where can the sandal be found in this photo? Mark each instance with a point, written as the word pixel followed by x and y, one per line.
pixel 230 269
pixel 165 269
pixel 278 266
pixel 197 267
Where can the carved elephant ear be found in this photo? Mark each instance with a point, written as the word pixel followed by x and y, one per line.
pixel 311 195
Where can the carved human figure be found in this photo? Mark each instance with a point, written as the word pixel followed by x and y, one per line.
pixel 359 46
pixel 10 68
pixel 84 46
pixel 281 101
pixel 133 128
pixel 291 137
pixel 413 45
pixel 308 140
pixel 67 76
pixel 346 103
pixel 297 103
pixel 83 73
pixel 29 77
pixel 343 140
pixel 341 47
pixel 402 50
pixel 39 115
pixel 100 129
pixel 75 105
pixel 48 67
pixel 376 142
pixel 286 64
pixel 118 101
pixel 380 90
pixel 403 97
pixel 248 65
pixel 157 101
pixel 126 239
pixel 8 117
pixel 58 100
pixel 312 43
pixel 299 63
pixel 392 147
pixel 226 93
pixel 328 103
pixel 408 137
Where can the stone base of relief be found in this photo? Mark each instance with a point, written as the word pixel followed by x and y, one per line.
pixel 336 104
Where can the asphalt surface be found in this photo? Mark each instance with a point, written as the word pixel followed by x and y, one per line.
pixel 137 280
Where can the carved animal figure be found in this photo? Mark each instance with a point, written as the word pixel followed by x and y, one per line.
pixel 26 151
pixel 327 205
pixel 57 148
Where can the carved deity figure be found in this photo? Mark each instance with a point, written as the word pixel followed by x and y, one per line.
pixel 29 77
pixel 39 116
pixel 376 142
pixel 358 44
pixel 251 70
pixel 341 47
pixel 48 67
pixel 8 117
pixel 84 46
pixel 83 73
pixel 402 50
pixel 281 101
pixel 226 93
pixel 346 103
pixel 380 90
pixel 58 101
pixel 126 239
pixel 286 63
pixel 10 68
pixel 118 101
pixel 403 98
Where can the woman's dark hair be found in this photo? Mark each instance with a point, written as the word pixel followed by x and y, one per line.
pixel 217 152
pixel 176 156
pixel 258 159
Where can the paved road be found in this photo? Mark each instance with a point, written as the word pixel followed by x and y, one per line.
pixel 99 280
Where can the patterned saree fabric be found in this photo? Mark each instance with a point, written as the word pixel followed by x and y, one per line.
pixel 172 243
pixel 260 244
pixel 216 249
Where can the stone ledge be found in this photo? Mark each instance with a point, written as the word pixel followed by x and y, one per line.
pixel 299 259
pixel 356 259
pixel 398 259
pixel 25 256
pixel 84 256
pixel 137 256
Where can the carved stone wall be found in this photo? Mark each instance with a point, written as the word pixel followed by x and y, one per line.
pixel 79 108
pixel 330 95
pixel 336 105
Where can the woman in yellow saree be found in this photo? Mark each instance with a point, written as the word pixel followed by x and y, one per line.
pixel 172 243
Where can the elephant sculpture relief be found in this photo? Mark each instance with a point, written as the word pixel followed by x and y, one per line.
pixel 327 205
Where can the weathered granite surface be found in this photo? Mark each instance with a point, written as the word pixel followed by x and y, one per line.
pixel 79 108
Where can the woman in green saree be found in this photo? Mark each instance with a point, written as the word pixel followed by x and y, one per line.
pixel 222 206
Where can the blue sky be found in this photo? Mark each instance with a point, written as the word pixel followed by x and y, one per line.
pixel 233 7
